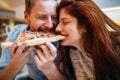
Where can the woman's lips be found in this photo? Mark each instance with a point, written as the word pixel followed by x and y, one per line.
pixel 64 35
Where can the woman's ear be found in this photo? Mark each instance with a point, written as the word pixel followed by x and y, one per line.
pixel 82 29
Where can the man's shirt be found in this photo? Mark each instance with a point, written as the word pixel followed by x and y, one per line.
pixel 6 56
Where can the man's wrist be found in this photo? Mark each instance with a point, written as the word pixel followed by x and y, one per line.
pixel 55 74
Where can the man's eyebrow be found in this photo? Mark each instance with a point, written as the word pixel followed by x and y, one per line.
pixel 46 14
pixel 37 15
pixel 41 14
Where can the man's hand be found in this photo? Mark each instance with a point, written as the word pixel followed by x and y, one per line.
pixel 20 54
pixel 44 58
pixel 19 59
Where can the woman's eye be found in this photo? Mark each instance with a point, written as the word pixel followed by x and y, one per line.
pixel 65 23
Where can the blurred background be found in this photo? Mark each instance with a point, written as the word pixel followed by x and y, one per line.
pixel 11 13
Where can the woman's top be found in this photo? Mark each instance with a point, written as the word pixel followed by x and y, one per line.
pixel 82 64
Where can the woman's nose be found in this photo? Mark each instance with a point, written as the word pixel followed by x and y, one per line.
pixel 58 28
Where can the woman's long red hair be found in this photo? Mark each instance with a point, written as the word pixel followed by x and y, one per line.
pixel 96 40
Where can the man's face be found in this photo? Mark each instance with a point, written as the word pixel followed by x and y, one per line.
pixel 43 16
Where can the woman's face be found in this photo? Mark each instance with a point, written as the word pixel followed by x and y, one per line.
pixel 68 26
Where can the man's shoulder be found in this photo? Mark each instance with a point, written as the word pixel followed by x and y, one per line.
pixel 21 27
pixel 16 31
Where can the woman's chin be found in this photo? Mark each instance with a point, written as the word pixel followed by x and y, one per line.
pixel 63 43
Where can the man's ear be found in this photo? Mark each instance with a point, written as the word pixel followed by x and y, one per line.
pixel 26 17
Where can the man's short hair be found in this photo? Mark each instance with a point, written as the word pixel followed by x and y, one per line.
pixel 29 4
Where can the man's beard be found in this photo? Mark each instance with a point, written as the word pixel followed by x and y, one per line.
pixel 42 28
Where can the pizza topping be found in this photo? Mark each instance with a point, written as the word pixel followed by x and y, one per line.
pixel 28 35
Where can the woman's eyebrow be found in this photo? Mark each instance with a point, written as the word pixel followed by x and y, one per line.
pixel 64 19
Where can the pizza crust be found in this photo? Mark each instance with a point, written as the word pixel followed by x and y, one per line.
pixel 34 42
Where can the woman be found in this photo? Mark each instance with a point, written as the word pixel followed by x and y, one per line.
pixel 88 42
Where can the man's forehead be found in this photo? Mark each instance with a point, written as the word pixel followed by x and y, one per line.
pixel 49 1
pixel 45 6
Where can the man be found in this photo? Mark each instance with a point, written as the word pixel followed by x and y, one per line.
pixel 41 16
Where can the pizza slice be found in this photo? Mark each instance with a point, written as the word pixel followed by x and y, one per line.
pixel 34 38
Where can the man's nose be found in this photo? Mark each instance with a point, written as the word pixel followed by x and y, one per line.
pixel 49 23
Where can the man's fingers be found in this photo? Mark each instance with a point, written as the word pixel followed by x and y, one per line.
pixel 37 60
pixel 40 55
pixel 20 49
pixel 27 52
pixel 13 48
pixel 45 50
pixel 52 48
